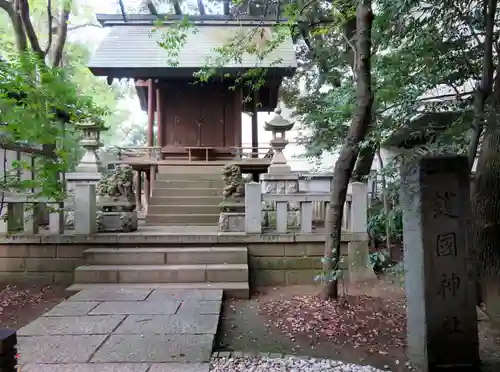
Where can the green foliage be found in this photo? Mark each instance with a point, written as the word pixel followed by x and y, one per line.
pixel 39 107
pixel 102 94
pixel 417 47
pixel 175 38
pixel 380 261
pixel 377 219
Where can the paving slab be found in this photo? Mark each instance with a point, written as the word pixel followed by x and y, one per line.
pixel 114 330
pixel 137 307
pixel 88 367
pixel 111 295
pixel 187 294
pixel 180 367
pixel 155 348
pixel 169 324
pixel 58 349
pixel 72 325
pixel 68 308
pixel 200 307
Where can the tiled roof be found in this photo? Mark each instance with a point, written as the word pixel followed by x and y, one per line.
pixel 136 46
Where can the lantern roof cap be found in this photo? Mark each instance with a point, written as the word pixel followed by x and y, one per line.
pixel 278 123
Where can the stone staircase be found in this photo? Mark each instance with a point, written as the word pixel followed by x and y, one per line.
pixel 182 196
pixel 188 195
pixel 189 267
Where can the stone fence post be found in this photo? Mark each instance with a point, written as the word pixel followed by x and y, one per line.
pixel 358 254
pixel 85 209
pixel 253 208
pixel 8 350
pixel 359 208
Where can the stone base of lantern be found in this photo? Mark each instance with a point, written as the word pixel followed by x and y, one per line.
pixel 117 221
pixel 232 222
pixel 280 183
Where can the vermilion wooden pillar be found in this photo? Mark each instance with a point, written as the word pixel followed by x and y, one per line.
pixel 147 188
pixel 255 127
pixel 159 118
pixel 151 112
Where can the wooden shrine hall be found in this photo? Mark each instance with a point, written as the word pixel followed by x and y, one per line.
pixel 196 121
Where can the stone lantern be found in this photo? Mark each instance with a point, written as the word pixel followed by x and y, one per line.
pixel 88 169
pixel 91 141
pixel 278 126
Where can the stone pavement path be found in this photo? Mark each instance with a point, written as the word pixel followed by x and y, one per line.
pixel 133 330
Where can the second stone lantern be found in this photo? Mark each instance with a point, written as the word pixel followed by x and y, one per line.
pixel 278 126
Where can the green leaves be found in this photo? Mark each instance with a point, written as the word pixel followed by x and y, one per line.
pixel 174 38
pixel 38 106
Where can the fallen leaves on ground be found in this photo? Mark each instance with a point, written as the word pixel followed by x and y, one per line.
pixel 16 299
pixel 373 323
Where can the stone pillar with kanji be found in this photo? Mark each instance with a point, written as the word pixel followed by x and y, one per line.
pixel 439 265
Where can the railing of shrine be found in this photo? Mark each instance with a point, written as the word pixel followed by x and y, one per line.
pixel 321 184
pixel 248 152
pixel 140 152
pixel 320 211
pixel 21 213
pixel 205 153
pixel 292 212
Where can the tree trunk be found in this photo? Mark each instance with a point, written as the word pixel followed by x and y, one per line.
pixel 387 208
pixel 484 89
pixel 485 190
pixel 350 149
pixel 364 163
pixel 486 208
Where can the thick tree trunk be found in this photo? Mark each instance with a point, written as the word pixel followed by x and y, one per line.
pixel 350 150
pixel 387 209
pixel 484 89
pixel 364 163
pixel 486 218
pixel 486 208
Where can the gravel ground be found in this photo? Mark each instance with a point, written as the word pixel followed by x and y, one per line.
pixel 287 364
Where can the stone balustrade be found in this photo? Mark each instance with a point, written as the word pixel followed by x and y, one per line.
pixel 21 212
pixel 307 206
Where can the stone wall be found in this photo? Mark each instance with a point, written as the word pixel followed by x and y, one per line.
pixel 43 263
pixel 274 259
pixel 283 264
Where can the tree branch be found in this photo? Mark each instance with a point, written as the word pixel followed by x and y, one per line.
pixel 177 7
pixel 49 23
pixel 486 86
pixel 24 10
pixel 21 41
pixel 62 34
pixel 201 7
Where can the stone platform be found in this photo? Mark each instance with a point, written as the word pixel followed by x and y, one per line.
pixel 126 330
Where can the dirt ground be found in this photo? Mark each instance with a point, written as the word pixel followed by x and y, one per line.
pixel 21 304
pixel 367 327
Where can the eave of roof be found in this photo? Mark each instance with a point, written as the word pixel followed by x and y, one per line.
pixel 134 52
pixel 109 20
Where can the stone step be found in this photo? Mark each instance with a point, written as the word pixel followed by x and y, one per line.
pixel 189 177
pixel 193 192
pixel 183 209
pixel 194 184
pixel 172 256
pixel 238 290
pixel 185 200
pixel 182 219
pixel 190 169
pixel 161 273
